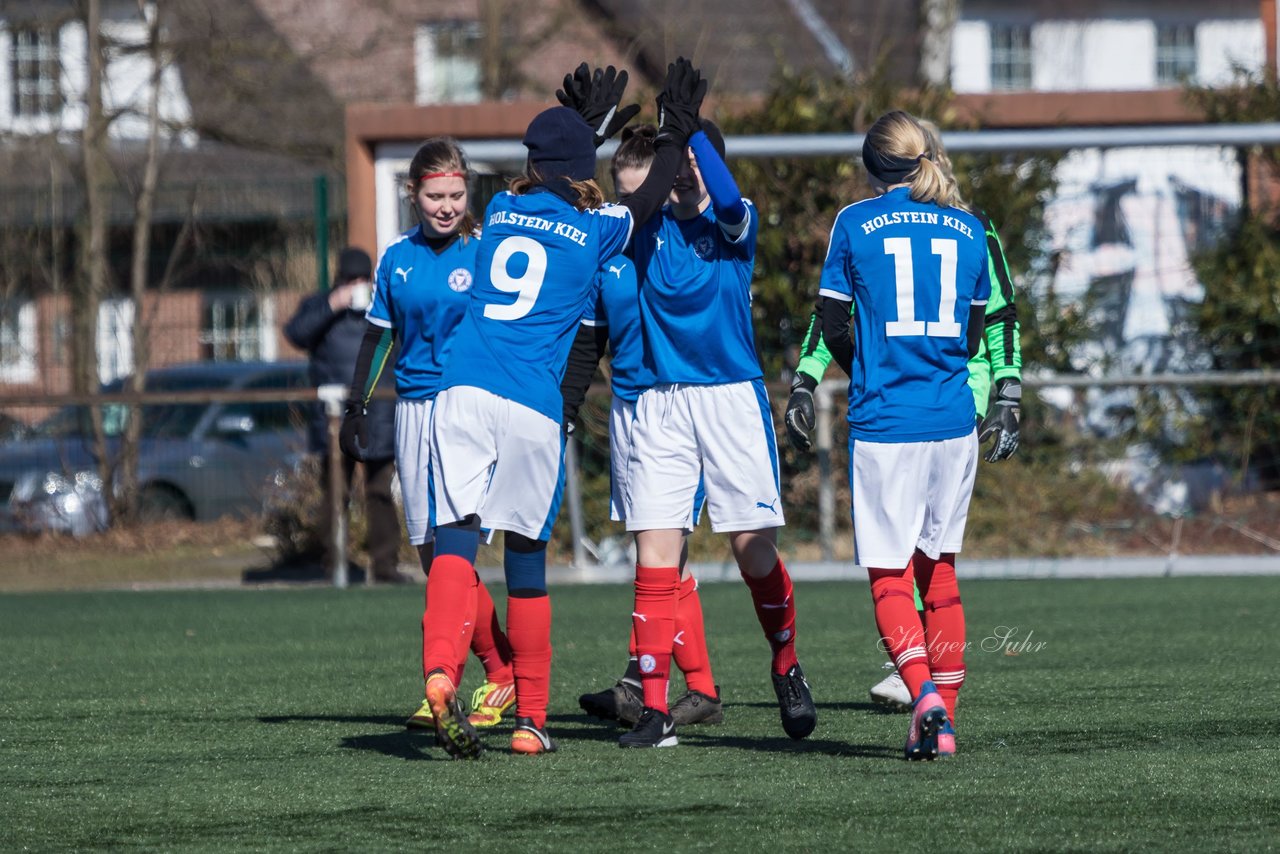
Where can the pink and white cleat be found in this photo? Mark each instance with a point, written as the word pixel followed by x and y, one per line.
pixel 946 741
pixel 928 719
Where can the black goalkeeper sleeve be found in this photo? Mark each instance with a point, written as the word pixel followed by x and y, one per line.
pixel 837 331
pixel 588 347
pixel 375 347
pixel 977 326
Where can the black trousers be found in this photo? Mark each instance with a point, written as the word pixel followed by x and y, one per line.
pixel 382 519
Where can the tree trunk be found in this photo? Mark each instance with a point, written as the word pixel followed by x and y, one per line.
pixel 92 281
pixel 144 204
pixel 937 25
pixel 494 60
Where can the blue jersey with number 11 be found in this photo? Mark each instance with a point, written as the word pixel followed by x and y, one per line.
pixel 535 277
pixel 912 270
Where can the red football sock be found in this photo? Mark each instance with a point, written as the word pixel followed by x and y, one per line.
pixel 690 642
pixel 445 633
pixel 529 631
pixel 654 621
pixel 943 625
pixel 901 633
pixel 776 611
pixel 468 628
pixel 489 643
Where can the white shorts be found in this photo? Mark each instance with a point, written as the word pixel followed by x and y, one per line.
pixel 413 463
pixel 497 459
pixel 721 435
pixel 622 415
pixel 908 496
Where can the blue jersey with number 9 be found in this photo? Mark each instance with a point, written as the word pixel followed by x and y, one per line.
pixel 912 270
pixel 535 277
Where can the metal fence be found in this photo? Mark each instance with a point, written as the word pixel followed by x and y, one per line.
pixel 1140 443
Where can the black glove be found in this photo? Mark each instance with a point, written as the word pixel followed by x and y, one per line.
pixel 800 417
pixel 679 102
pixel 353 438
pixel 1002 421
pixel 595 97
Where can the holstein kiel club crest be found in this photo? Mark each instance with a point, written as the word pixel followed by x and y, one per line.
pixel 460 279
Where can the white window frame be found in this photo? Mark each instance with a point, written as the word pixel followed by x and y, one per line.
pixel 237 336
pixel 115 339
pixel 453 78
pixel 48 52
pixel 1011 56
pixel 19 344
pixel 1174 55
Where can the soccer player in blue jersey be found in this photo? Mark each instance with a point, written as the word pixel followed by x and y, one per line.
pixel 915 268
pixel 708 419
pixel 423 286
pixel 496 441
pixel 615 324
pixel 998 363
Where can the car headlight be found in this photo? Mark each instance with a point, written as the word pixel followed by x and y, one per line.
pixel 53 500
pixel 57 484
pixel 53 485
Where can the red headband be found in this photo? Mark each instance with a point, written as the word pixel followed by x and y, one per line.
pixel 431 175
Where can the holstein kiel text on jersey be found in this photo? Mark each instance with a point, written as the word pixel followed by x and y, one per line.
pixel 560 229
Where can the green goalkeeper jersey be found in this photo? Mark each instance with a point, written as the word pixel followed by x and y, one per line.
pixel 1000 353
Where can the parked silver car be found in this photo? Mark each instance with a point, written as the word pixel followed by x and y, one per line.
pixel 195 461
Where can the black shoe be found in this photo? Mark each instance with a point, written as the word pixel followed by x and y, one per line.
pixel 799 716
pixel 623 702
pixel 654 729
pixel 696 707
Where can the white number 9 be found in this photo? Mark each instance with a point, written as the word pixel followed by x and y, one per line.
pixel 527 286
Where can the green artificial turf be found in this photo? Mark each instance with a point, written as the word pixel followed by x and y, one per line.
pixel 1137 714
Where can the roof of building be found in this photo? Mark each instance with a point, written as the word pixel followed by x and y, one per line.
pixel 741 43
pixel 217 182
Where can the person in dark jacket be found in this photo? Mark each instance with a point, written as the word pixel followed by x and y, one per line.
pixel 330 326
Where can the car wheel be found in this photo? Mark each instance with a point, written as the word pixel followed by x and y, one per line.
pixel 162 504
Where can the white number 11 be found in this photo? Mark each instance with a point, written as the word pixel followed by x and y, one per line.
pixel 904 273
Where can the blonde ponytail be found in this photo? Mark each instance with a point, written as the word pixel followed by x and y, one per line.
pixel 897 138
pixel 940 157
pixel 929 183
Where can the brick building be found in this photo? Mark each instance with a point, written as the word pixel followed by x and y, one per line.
pixel 260 98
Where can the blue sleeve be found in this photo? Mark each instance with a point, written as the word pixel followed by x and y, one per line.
pixel 982 290
pixel 835 270
pixel 616 225
pixel 726 198
pixel 595 314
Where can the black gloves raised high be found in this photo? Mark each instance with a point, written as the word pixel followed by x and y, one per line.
pixel 595 95
pixel 679 102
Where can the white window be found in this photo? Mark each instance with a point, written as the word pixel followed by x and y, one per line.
pixel 17 341
pixel 1175 54
pixel 115 339
pixel 236 328
pixel 1010 56
pixel 447 62
pixel 34 72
